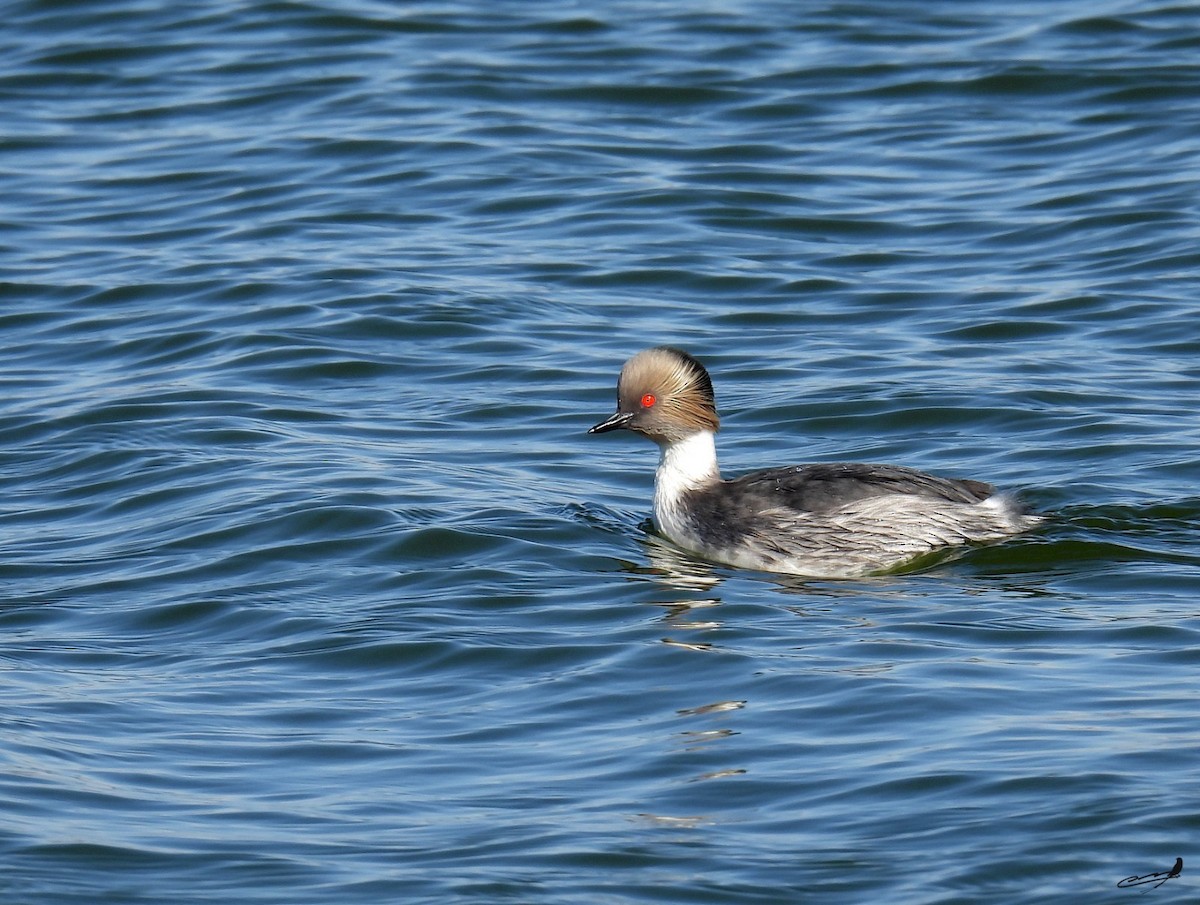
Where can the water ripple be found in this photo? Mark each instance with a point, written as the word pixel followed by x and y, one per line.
pixel 313 579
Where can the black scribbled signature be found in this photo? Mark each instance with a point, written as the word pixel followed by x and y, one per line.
pixel 1158 878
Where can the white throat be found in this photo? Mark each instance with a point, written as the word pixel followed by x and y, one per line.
pixel 684 465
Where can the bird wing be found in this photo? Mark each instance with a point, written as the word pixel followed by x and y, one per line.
pixel 821 488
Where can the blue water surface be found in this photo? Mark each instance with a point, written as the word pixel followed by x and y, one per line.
pixel 313 588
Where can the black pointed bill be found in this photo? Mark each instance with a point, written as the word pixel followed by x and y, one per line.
pixel 615 421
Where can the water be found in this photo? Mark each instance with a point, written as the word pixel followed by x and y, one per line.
pixel 313 587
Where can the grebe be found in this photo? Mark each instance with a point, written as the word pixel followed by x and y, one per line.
pixel 822 521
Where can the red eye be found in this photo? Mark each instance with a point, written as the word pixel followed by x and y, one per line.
pixel 648 400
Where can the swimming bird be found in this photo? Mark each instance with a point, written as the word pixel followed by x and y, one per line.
pixel 836 520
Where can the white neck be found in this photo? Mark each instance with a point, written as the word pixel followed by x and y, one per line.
pixel 684 465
